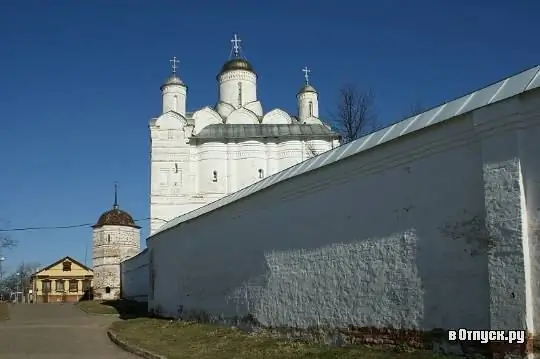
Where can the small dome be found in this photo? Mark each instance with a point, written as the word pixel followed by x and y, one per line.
pixel 115 217
pixel 307 88
pixel 236 64
pixel 172 80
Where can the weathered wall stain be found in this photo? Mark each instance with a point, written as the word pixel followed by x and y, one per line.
pixel 472 230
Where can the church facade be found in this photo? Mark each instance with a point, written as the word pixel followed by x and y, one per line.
pixel 198 157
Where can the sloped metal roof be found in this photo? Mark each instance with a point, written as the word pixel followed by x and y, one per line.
pixel 502 90
pixel 240 131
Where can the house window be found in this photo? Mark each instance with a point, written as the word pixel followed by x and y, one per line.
pixel 66 266
pixel 73 285
pixel 86 285
pixel 214 176
pixel 107 290
pixel 46 286
pixel 59 285
pixel 261 173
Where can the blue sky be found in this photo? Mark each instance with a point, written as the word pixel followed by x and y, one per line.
pixel 79 83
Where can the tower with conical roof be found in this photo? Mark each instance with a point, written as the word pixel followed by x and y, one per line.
pixel 115 238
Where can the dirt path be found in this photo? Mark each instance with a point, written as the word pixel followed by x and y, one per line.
pixel 59 331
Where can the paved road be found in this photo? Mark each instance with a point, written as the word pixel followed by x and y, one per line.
pixel 59 331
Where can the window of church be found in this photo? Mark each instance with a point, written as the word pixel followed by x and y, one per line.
pixel 176 168
pixel 107 290
pixel 310 108
pixel 170 134
pixel 240 94
pixel 108 238
pixel 261 173
pixel 214 176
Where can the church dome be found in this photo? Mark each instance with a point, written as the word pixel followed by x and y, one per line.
pixel 115 217
pixel 237 64
pixel 172 80
pixel 307 88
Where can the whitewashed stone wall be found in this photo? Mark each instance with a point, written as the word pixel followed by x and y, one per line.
pixel 436 229
pixel 111 246
pixel 134 277
pixel 185 177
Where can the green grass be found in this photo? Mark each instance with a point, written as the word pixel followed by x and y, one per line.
pixel 180 340
pixel 97 307
pixel 4 311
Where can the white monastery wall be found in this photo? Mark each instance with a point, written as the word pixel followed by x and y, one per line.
pixel 434 229
pixel 430 223
pixel 373 240
pixel 134 277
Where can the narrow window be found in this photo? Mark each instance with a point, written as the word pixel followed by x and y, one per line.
pixel 107 290
pixel 175 103
pixel 239 94
pixel 108 238
pixel 310 108
pixel 261 173
pixel 214 176
pixel 176 168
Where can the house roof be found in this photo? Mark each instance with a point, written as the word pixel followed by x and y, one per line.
pixel 242 131
pixel 525 81
pixel 62 260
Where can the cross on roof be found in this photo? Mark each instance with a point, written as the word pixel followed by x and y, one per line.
pixel 174 61
pixel 306 74
pixel 236 45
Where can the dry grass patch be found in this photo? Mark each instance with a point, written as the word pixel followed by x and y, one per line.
pixel 97 307
pixel 180 340
pixel 4 311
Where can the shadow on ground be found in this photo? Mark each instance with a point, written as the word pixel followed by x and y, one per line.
pixel 126 309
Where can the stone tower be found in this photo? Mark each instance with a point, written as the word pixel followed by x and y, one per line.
pixel 115 238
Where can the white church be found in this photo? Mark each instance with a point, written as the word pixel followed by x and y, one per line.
pixel 201 156
pixel 198 157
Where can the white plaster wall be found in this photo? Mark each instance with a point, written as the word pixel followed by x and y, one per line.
pixel 213 158
pixel 112 245
pixel 383 238
pixel 134 277
pixel 228 87
pixel 303 100
pixel 174 99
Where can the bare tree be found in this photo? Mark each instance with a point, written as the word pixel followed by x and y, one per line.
pixel 355 115
pixel 6 242
pixel 414 109
pixel 20 280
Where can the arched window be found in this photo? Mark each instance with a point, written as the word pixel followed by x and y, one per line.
pixel 175 103
pixel 107 290
pixel 310 108
pixel 214 176
pixel 261 173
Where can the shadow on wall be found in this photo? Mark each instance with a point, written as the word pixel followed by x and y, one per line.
pixel 383 239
